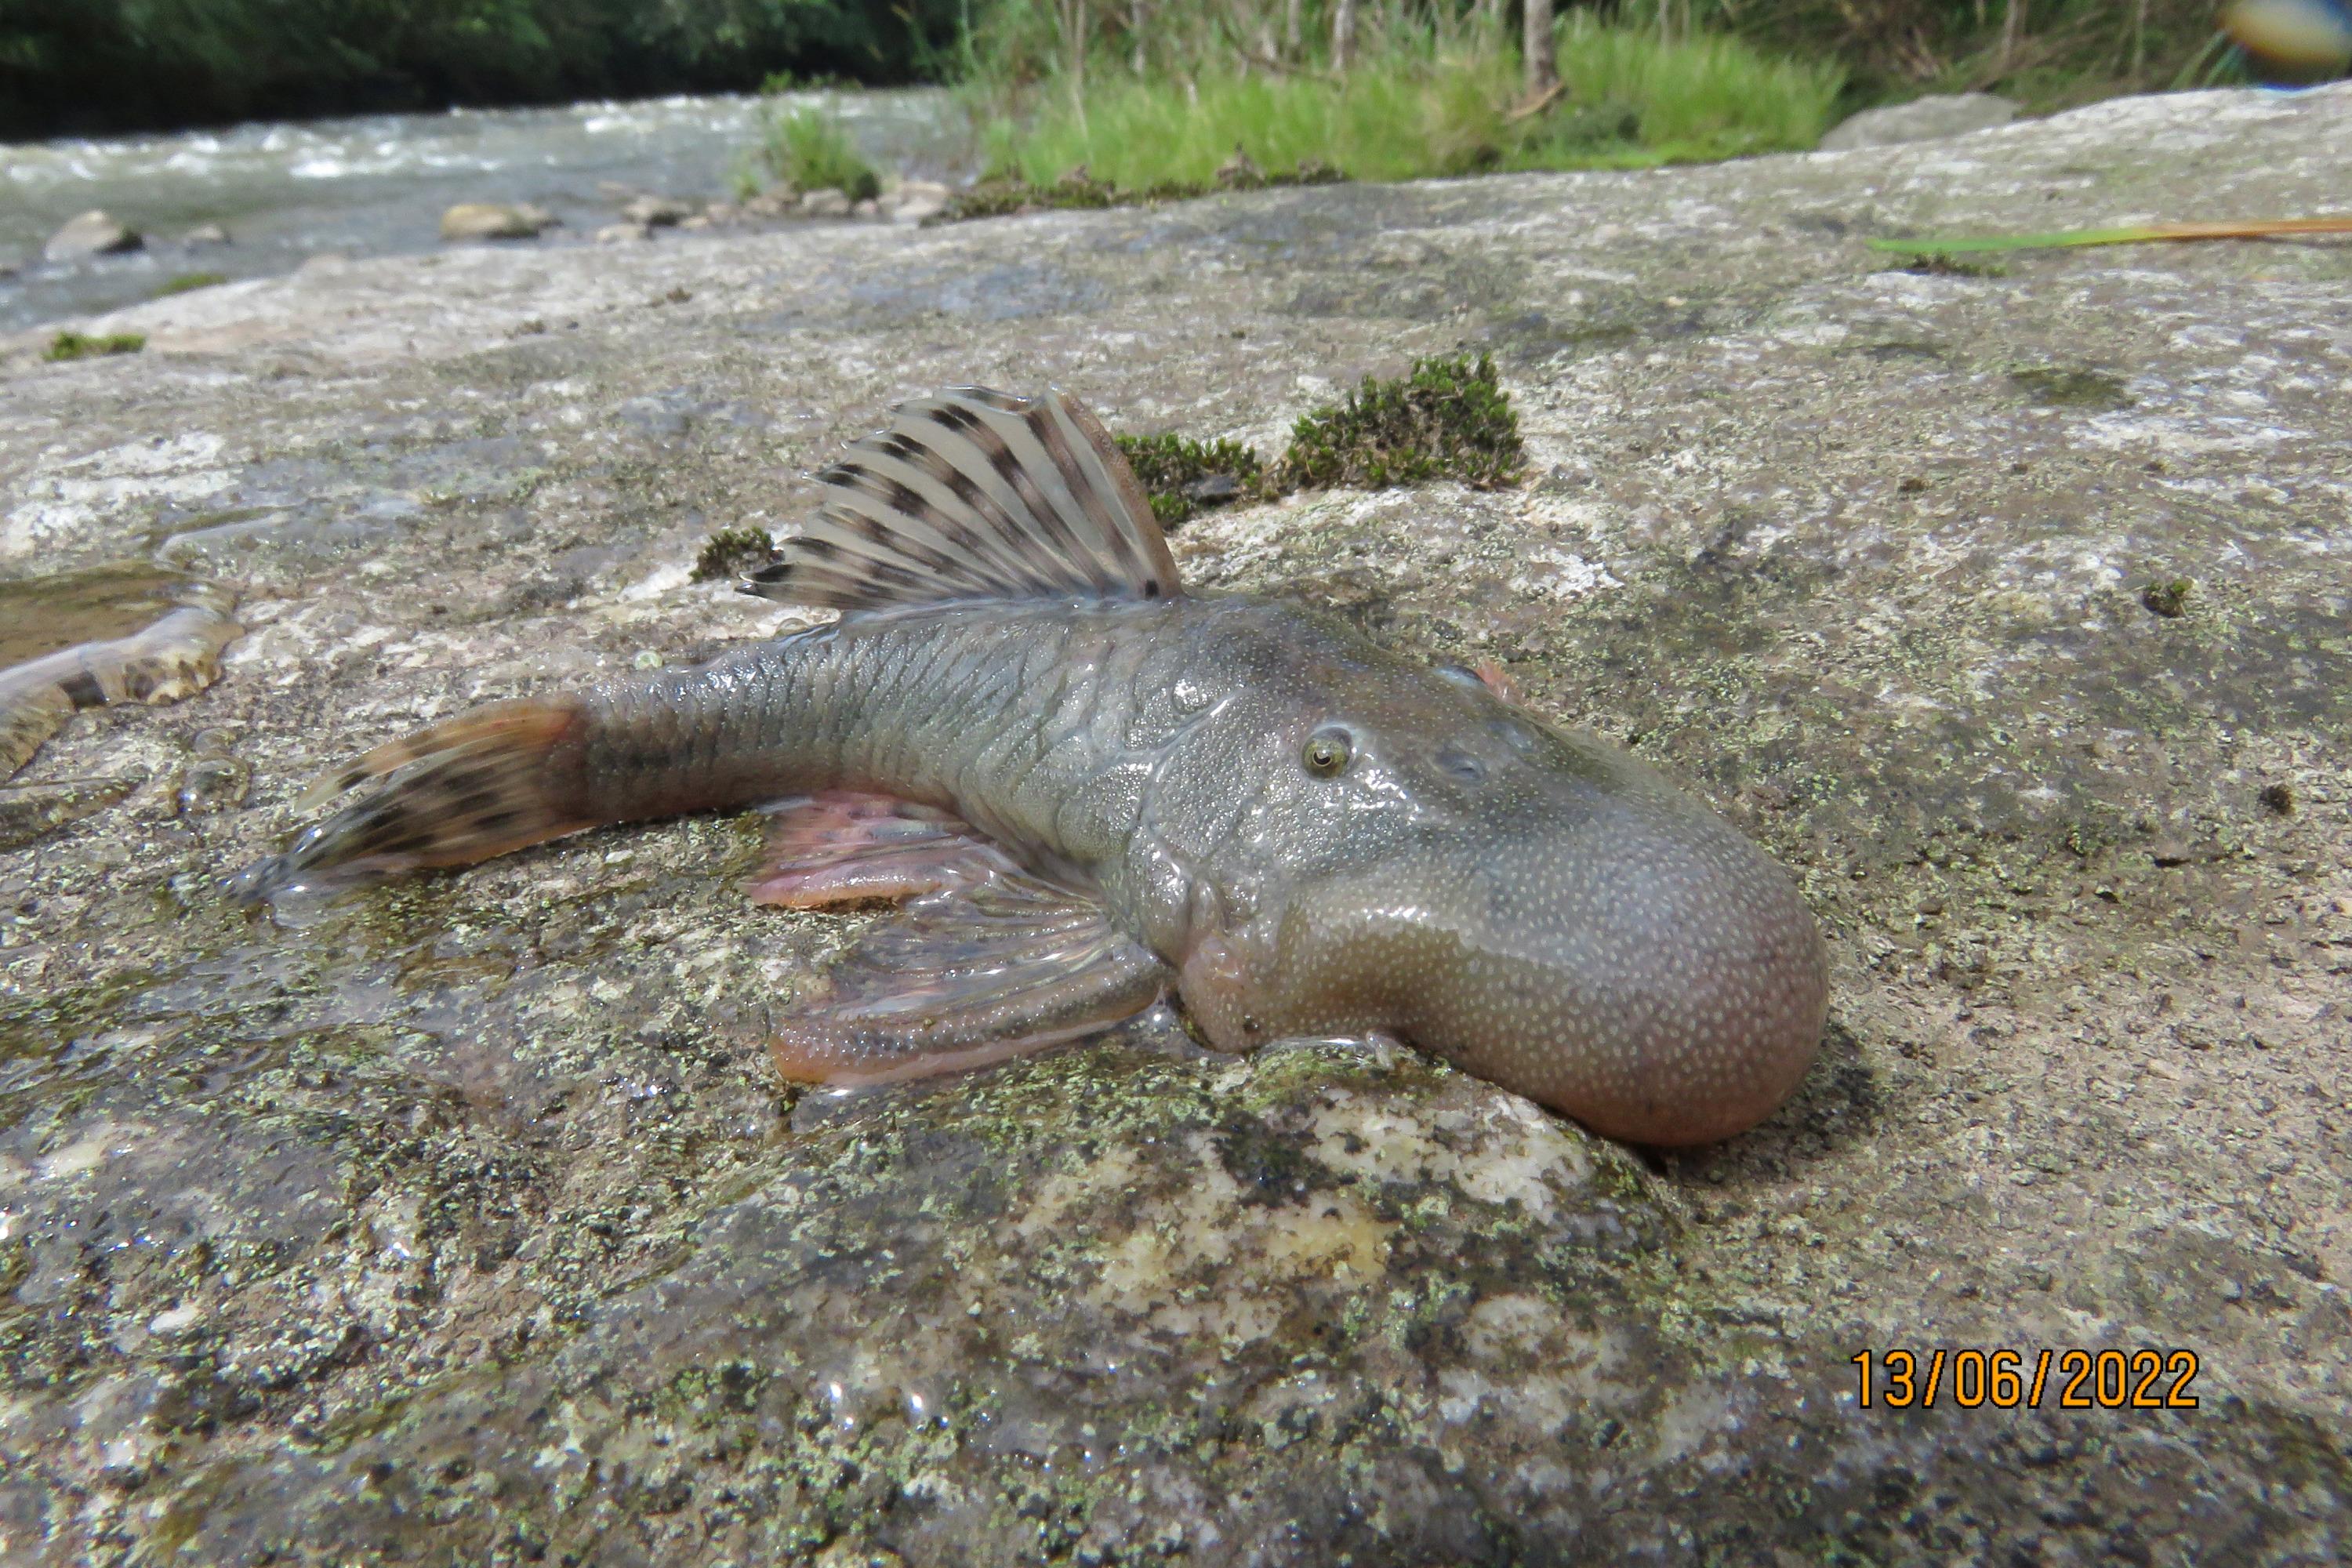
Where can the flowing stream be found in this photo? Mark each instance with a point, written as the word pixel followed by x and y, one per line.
pixel 377 186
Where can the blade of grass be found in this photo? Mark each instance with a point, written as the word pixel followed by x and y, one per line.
pixel 2259 228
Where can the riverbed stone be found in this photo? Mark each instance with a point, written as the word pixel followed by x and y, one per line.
pixel 494 220
pixel 88 233
pixel 657 211
pixel 826 203
pixel 1929 119
pixel 205 234
pixel 464 1221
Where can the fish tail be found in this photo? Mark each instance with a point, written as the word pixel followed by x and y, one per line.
pixel 485 783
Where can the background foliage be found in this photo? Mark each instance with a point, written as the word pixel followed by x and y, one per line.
pixel 73 65
pixel 2047 51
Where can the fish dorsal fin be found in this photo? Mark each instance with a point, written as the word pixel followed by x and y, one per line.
pixel 975 494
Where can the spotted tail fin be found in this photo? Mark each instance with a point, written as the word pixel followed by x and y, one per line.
pixel 976 494
pixel 480 784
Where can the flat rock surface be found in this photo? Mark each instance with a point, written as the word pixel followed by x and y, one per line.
pixel 464 1222
pixel 1926 118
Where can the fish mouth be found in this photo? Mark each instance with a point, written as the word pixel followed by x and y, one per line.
pixel 1658 980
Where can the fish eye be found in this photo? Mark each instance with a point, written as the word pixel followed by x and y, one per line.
pixel 1327 752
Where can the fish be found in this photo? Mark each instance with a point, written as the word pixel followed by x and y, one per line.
pixel 170 659
pixel 1089 789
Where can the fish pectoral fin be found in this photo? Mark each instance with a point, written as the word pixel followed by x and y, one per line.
pixel 985 969
pixel 845 847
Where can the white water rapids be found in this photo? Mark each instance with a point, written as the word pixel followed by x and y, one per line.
pixel 377 186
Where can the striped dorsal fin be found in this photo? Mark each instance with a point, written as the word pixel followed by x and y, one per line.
pixel 975 494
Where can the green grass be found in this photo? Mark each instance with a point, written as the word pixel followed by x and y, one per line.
pixel 77 345
pixel 1701 97
pixel 1632 101
pixel 187 281
pixel 808 150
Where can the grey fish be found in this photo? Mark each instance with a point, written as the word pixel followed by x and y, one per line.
pixel 1091 789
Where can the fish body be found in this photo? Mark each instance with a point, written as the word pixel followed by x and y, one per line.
pixel 174 657
pixel 1092 789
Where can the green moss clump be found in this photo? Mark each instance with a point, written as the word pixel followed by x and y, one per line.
pixel 2168 599
pixel 2060 386
pixel 1944 263
pixel 733 553
pixel 1447 419
pixel 77 345
pixel 187 281
pixel 1078 188
pixel 1184 477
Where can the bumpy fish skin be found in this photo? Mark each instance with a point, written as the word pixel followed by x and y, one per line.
pixel 1092 798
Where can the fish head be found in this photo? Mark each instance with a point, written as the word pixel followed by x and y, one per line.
pixel 1533 905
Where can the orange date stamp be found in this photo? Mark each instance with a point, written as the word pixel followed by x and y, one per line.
pixel 2029 1380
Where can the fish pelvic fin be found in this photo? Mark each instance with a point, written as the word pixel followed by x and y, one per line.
pixel 485 783
pixel 843 848
pixel 975 494
pixel 985 961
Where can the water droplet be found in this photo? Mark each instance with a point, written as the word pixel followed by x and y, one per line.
pixel 214 783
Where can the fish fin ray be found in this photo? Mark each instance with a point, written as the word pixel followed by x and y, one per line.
pixel 976 494
pixel 474 787
pixel 842 847
pixel 989 963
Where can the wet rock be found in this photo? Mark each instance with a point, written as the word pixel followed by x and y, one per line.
pixel 657 211
pixel 90 234
pixel 621 233
pixel 494 220
pixel 203 235
pixel 870 207
pixel 914 200
pixel 828 203
pixel 779 200
pixel 1930 119
pixel 467 1220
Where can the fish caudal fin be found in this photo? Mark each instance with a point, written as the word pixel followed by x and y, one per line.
pixel 485 783
pixel 985 962
pixel 976 494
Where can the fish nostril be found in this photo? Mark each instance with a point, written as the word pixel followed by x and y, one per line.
pixel 1461 764
pixel 1519 735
